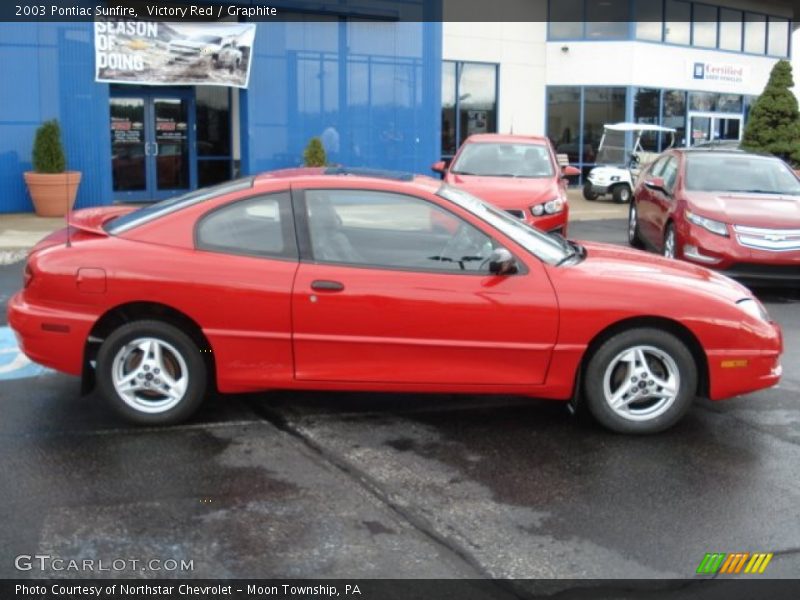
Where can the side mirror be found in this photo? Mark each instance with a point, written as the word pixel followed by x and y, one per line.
pixel 439 167
pixel 655 183
pixel 569 171
pixel 501 262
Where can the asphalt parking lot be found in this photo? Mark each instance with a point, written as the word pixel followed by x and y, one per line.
pixel 378 485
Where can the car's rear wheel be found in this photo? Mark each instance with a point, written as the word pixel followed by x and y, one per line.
pixel 588 191
pixel 151 372
pixel 640 381
pixel 634 238
pixel 670 249
pixel 621 193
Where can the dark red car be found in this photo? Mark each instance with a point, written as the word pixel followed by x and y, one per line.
pixel 517 173
pixel 733 211
pixel 335 280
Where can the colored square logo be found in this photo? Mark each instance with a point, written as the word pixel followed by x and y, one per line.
pixel 699 70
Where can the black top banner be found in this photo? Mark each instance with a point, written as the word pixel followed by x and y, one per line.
pixel 419 10
pixel 401 589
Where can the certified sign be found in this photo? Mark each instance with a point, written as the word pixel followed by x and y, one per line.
pixel 719 72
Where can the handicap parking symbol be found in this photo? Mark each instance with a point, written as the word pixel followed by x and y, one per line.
pixel 13 363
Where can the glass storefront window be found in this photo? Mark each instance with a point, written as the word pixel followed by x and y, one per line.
pixel 477 99
pixel 678 16
pixel 674 115
pixel 561 27
pixel 448 108
pixel 564 120
pixel 703 101
pixel 704 26
pixel 755 32
pixel 730 29
pixel 778 37
pixel 607 20
pixel 646 110
pixel 213 121
pixel 731 103
pixel 600 106
pixel 649 20
pixel 469 102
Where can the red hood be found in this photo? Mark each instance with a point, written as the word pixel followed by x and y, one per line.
pixel 610 262
pixel 507 192
pixel 758 210
pixel 92 219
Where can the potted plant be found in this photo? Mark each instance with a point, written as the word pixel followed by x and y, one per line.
pixel 51 186
pixel 314 154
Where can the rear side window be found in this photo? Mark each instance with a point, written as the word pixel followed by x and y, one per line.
pixel 259 226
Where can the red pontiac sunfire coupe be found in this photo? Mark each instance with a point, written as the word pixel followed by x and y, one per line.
pixel 344 280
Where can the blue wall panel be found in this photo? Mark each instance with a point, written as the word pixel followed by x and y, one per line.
pixel 47 71
pixel 370 89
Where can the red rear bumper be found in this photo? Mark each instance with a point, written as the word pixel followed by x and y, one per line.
pixel 51 337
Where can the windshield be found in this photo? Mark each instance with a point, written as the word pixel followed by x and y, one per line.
pixel 716 172
pixel 612 148
pixel 504 160
pixel 550 249
pixel 209 39
pixel 157 209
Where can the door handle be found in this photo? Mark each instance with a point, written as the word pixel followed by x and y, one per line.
pixel 322 285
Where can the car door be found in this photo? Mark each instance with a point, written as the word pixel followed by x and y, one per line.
pixel 646 203
pixel 240 276
pixel 385 293
pixel 662 201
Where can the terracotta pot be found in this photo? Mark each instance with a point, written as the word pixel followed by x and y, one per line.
pixel 53 194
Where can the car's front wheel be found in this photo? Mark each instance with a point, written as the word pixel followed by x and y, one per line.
pixel 670 249
pixel 640 381
pixel 151 372
pixel 588 191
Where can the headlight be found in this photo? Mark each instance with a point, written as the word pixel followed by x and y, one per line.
pixel 753 308
pixel 710 224
pixel 615 178
pixel 551 207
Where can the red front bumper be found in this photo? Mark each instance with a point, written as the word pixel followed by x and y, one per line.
pixel 737 372
pixel 51 337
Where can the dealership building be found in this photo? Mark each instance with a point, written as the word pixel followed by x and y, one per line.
pixel 389 84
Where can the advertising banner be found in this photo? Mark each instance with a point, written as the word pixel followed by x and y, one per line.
pixel 158 53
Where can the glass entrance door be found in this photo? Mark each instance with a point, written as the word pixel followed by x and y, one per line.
pixel 710 127
pixel 152 145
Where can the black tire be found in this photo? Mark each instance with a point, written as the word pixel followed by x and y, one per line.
pixel 180 342
pixel 601 361
pixel 634 236
pixel 669 232
pixel 621 193
pixel 588 192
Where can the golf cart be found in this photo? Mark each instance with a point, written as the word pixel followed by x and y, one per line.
pixel 619 170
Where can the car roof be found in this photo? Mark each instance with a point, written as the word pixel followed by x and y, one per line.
pixel 359 176
pixel 724 150
pixel 483 138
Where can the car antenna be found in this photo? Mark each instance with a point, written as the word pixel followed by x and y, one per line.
pixel 66 199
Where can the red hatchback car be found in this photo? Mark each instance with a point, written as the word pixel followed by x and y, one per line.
pixel 335 280
pixel 733 211
pixel 517 173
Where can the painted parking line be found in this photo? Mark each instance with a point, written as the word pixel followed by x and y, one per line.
pixel 13 363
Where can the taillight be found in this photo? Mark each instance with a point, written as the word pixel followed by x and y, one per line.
pixel 27 276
